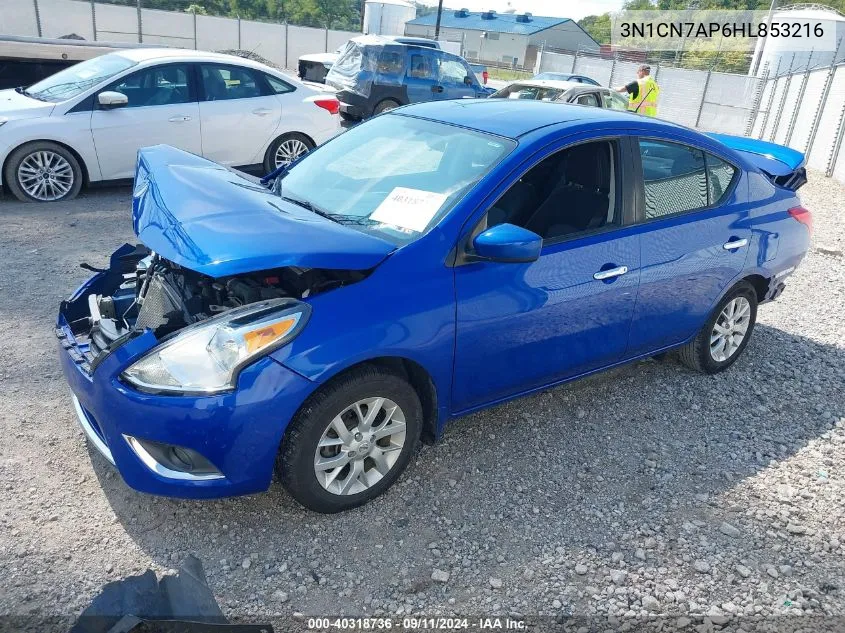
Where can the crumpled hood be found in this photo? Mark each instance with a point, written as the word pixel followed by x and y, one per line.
pixel 214 221
pixel 14 105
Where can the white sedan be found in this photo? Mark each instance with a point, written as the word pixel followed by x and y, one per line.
pixel 87 122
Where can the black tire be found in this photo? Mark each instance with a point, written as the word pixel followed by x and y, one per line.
pixel 270 156
pixel 295 462
pixel 10 174
pixel 697 354
pixel 384 105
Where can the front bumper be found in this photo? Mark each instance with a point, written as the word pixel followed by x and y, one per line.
pixel 238 432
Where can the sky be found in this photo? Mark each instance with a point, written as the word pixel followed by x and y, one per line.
pixel 554 8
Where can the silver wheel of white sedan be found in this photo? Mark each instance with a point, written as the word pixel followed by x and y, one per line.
pixel 360 446
pixel 289 150
pixel 45 176
pixel 730 329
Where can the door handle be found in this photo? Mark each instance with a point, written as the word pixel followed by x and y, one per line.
pixel 179 119
pixel 437 88
pixel 262 111
pixel 610 274
pixel 735 244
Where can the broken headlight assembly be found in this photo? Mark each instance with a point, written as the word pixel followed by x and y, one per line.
pixel 206 357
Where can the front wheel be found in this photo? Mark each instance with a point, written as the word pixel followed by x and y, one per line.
pixel 725 334
pixel 43 172
pixel 351 440
pixel 286 149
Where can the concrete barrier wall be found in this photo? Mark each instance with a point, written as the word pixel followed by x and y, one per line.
pixel 275 42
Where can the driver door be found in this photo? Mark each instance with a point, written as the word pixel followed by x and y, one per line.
pixel 453 80
pixel 522 326
pixel 162 108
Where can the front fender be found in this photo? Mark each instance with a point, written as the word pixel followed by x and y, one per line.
pixel 396 312
pixel 72 130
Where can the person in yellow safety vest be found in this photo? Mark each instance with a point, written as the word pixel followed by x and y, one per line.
pixel 642 93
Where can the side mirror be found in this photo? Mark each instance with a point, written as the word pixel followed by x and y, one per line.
pixel 111 99
pixel 507 243
pixel 468 80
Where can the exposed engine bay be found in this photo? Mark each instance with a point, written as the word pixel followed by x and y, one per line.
pixel 164 297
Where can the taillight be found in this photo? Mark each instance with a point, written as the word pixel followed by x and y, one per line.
pixel 330 104
pixel 486 76
pixel 803 216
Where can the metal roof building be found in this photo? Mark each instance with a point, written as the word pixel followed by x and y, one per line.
pixel 509 38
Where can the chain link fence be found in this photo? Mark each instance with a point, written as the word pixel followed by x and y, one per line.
pixel 804 109
pixel 801 108
pixel 132 23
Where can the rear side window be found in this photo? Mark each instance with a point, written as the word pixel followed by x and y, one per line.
pixel 229 82
pixel 674 178
pixel 278 86
pixel 719 177
pixel 421 67
pixel 390 63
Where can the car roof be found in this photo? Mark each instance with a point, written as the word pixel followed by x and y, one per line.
pixel 148 54
pixel 547 83
pixel 514 118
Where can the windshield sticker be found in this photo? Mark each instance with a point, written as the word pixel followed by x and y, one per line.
pixel 409 208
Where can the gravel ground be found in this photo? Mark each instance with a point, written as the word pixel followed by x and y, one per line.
pixel 646 490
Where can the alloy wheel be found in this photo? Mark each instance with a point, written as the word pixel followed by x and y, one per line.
pixel 730 329
pixel 45 175
pixel 360 446
pixel 289 150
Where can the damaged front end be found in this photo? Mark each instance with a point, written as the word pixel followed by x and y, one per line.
pixel 167 366
pixel 241 316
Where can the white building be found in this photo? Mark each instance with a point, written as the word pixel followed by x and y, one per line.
pixel 504 37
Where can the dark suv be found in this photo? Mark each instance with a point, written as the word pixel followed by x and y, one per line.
pixel 374 74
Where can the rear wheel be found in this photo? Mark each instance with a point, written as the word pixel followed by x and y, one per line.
pixel 385 105
pixel 43 172
pixel 286 149
pixel 726 333
pixel 351 440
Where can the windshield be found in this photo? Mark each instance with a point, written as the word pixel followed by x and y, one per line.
pixel 395 176
pixel 521 91
pixel 75 80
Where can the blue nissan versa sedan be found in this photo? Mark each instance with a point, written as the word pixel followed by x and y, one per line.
pixel 438 259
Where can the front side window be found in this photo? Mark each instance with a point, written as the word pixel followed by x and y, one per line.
pixel 453 72
pixel 73 81
pixel 614 101
pixel 570 192
pixel 674 178
pixel 154 86
pixel 522 91
pixel 395 176
pixel 588 99
pixel 222 83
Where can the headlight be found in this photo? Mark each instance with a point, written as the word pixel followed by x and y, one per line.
pixel 208 356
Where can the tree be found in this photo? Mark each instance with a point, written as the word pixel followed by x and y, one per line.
pixel 597 26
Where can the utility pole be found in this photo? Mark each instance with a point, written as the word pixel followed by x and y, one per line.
pixel 437 24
